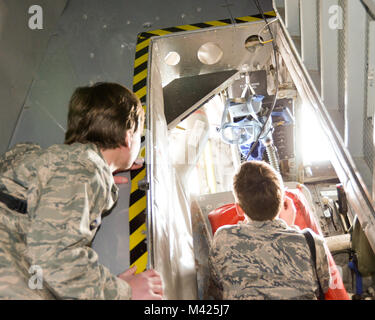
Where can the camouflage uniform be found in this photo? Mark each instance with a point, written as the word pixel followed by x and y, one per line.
pixel 67 188
pixel 265 260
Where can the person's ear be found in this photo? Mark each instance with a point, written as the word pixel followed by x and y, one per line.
pixel 240 211
pixel 288 211
pixel 128 138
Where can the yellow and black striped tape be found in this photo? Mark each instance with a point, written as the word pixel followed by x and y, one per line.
pixel 137 205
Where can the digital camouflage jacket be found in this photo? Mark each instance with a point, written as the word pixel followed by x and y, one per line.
pixel 266 260
pixel 46 254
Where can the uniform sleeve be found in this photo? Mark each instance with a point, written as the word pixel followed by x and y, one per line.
pixel 9 159
pixel 322 263
pixel 215 285
pixel 59 237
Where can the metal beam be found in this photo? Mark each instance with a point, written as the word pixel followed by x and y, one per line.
pixel 370 4
pixel 292 17
pixel 356 25
pixel 309 34
pixel 329 46
pixel 371 88
pixel 279 3
pixel 371 72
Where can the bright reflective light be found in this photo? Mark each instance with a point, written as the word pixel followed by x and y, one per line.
pixel 315 145
pixel 194 182
pixel 172 58
pixel 210 53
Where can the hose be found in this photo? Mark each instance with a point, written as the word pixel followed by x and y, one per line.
pixel 272 157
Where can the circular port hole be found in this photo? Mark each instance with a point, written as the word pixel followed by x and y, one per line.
pixel 253 42
pixel 172 58
pixel 210 53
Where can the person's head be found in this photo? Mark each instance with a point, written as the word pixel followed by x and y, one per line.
pixel 259 190
pixel 108 115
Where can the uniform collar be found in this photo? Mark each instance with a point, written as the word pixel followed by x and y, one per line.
pixel 114 188
pixel 276 223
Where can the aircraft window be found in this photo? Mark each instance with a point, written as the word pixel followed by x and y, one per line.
pixel 210 53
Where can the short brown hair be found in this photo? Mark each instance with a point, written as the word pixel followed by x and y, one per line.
pixel 101 114
pixel 258 188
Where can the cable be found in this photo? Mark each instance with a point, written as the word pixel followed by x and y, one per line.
pixel 332 218
pixel 276 75
pixel 265 42
pixel 259 36
pixel 347 251
pixel 231 16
